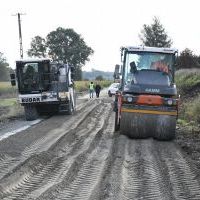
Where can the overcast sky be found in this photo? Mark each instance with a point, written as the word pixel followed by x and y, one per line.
pixel 105 25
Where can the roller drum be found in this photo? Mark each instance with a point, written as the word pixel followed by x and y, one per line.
pixel 140 125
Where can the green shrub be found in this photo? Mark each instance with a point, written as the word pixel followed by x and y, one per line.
pixel 187 79
pixel 188 85
pixel 191 111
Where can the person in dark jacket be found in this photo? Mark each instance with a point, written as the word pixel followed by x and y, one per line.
pixel 97 90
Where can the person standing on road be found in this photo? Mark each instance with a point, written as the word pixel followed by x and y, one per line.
pixel 97 90
pixel 91 89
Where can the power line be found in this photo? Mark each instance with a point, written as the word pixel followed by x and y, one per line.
pixel 20 33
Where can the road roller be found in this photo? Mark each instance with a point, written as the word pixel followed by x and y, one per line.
pixel 146 104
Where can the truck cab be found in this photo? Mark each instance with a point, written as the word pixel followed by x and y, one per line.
pixel 148 70
pixel 44 86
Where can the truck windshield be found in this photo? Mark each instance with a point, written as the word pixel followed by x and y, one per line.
pixel 29 76
pixel 148 61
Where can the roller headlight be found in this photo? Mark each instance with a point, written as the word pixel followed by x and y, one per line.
pixel 169 102
pixel 129 99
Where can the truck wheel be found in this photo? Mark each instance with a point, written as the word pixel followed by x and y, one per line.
pixel 109 94
pixel 117 125
pixel 70 107
pixel 30 112
pixel 74 107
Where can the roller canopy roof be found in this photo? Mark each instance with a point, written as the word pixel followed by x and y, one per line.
pixel 150 49
pixel 34 60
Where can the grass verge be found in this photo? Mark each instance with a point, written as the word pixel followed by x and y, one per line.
pixel 188 84
pixel 187 80
pixel 6 90
pixel 10 108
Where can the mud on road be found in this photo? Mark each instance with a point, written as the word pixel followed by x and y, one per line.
pixel 81 157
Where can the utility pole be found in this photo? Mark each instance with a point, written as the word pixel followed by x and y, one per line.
pixel 20 34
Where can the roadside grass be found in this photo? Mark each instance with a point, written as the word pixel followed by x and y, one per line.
pixel 188 85
pixel 6 90
pixel 10 108
pixel 8 102
pixel 191 111
pixel 187 79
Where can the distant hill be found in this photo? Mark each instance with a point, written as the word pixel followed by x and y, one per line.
pixel 91 75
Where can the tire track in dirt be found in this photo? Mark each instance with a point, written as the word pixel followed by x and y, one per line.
pixel 142 173
pixel 31 180
pixel 86 169
pixel 9 163
pixel 146 176
pixel 109 186
pixel 5 162
pixel 182 174
pixel 89 177
pixel 14 186
pixel 80 137
pixel 148 169
pixel 44 143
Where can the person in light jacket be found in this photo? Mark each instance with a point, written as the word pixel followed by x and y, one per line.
pixel 91 89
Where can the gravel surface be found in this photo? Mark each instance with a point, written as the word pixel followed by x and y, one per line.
pixel 81 157
pixel 189 141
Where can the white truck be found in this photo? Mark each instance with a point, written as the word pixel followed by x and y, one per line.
pixel 44 86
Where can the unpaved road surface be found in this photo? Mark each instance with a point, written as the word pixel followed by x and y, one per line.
pixel 81 157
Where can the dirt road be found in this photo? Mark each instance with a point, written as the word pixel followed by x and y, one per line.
pixel 80 157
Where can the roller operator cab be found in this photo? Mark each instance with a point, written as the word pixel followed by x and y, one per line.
pixel 147 103
pixel 44 86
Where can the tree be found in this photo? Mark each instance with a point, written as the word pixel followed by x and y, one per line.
pixel 38 47
pixel 99 78
pixel 154 35
pixel 4 69
pixel 64 45
pixel 187 60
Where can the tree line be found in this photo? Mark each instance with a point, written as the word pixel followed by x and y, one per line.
pixel 67 46
pixel 5 70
